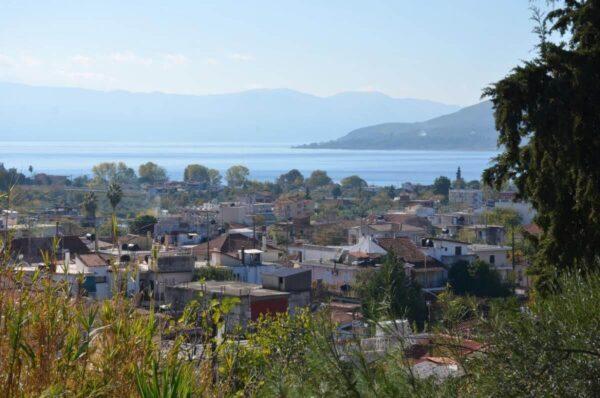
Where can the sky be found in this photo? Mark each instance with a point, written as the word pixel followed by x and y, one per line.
pixel 441 50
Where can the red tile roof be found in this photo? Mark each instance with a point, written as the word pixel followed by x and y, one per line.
pixel 407 250
pixel 533 229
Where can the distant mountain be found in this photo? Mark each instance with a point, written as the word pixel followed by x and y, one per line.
pixel 469 128
pixel 256 116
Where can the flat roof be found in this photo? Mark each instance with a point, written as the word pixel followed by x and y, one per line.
pixel 285 271
pixel 230 288
pixel 478 247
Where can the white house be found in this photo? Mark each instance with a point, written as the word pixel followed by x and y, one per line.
pixel 496 256
pixel 446 251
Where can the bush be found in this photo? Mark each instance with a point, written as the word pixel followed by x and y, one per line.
pixel 478 279
pixel 213 274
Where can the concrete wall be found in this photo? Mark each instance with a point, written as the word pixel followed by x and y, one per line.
pixel 298 300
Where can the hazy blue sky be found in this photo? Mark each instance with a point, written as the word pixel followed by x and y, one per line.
pixel 436 49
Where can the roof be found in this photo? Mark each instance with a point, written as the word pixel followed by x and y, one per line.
pixel 93 260
pixel 230 288
pixel 408 219
pixel 533 229
pixel 477 247
pixel 234 242
pixel 366 247
pixel 285 271
pixel 344 313
pixel 227 243
pixel 438 360
pixel 32 248
pixel 483 226
pixel 450 240
pixel 407 250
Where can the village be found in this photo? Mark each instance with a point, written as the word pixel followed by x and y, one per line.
pixel 308 245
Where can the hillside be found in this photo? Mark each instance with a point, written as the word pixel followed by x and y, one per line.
pixel 469 128
pixel 256 116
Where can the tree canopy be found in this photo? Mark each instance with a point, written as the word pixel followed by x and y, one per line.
pixel 318 178
pixel 142 224
pixel 196 173
pixel 293 179
pixel 237 176
pixel 547 112
pixel 107 172
pixel 477 279
pixel 151 173
pixel 353 182
pixel 388 292
pixel 441 186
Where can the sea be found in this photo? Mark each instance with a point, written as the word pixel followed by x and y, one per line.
pixel 265 161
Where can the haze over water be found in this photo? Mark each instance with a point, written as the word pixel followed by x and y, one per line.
pixel 265 161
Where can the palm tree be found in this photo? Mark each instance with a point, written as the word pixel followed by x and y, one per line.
pixel 90 205
pixel 114 195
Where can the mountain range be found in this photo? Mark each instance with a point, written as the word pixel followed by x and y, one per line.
pixel 255 116
pixel 470 128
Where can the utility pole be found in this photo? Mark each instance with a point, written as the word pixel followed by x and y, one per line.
pixel 6 215
pixel 207 240
pixel 206 213
pixel 513 248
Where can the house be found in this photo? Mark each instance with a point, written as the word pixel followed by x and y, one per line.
pixel 295 281
pixel 253 300
pixel 88 275
pixel 427 271
pixel 316 253
pixel 95 265
pixel 31 250
pixel 247 265
pixel 191 226
pixel 484 233
pixel 169 269
pixel 234 213
pixel 385 230
pixel 452 223
pixel 446 251
pixel 333 277
pixel 496 256
pixel 404 218
pixel 472 198
pixel 231 244
pixel 245 256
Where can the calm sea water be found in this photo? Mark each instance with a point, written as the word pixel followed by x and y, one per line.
pixel 265 162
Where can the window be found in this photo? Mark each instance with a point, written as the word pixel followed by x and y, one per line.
pixel 492 259
pixel 458 250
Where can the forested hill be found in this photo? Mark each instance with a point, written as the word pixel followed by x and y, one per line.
pixel 469 128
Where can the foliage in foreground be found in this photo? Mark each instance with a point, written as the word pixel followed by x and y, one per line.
pixel 548 112
pixel 550 348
